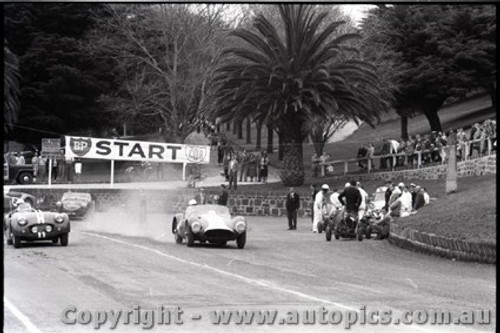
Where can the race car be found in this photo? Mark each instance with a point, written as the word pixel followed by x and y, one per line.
pixel 209 223
pixel 11 197
pixel 28 224
pixel 76 204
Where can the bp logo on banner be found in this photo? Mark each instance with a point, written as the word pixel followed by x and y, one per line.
pixel 195 154
pixel 80 146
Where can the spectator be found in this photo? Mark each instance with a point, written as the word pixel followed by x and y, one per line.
pixel 461 142
pixel 252 167
pixel 36 164
pixel 20 159
pixel 400 160
pixel 220 152
pixel 386 150
pixel 476 138
pixel 370 154
pixel 55 169
pixel 362 152
pixel 243 165
pixel 396 193
pixel 233 172
pixel 417 150
pixel 393 150
pixel 427 199
pixel 401 207
pixel 78 170
pixel 224 196
pixel 13 158
pixel 409 147
pixel 314 191
pixel 227 159
pixel 264 163
pixel 413 192
pixel 315 161
pixel 323 158
pixel 42 169
pixel 258 158
pixel 388 193
pixel 419 198
pixel 292 205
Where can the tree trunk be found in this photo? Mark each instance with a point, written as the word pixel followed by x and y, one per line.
pixel 235 127
pixel 292 173
pixel 318 144
pixel 258 144
pixel 281 145
pixel 249 131
pixel 404 127
pixel 451 174
pixel 270 139
pixel 433 118
pixel 240 129
pixel 228 126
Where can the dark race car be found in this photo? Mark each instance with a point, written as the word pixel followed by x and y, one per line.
pixel 76 204
pixel 25 223
pixel 209 223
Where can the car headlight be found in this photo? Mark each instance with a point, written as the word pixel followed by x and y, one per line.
pixel 22 221
pixel 59 218
pixel 196 227
pixel 34 229
pixel 240 226
pixel 48 228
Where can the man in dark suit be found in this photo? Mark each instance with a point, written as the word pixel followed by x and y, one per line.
pixel 292 205
pixel 224 196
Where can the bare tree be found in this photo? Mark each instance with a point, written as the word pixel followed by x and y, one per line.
pixel 164 54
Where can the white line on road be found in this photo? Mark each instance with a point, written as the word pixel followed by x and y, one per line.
pixel 253 281
pixel 19 315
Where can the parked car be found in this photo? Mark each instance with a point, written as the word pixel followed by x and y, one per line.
pixel 377 201
pixel 25 223
pixel 77 204
pixel 20 174
pixel 209 223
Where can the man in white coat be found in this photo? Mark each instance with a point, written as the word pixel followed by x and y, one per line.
pixel 318 206
pixel 364 200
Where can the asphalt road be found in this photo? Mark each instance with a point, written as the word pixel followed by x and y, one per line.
pixel 117 262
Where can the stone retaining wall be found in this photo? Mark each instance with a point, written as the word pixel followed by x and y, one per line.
pixel 476 167
pixel 446 247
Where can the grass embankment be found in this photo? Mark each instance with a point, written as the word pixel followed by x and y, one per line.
pixel 469 214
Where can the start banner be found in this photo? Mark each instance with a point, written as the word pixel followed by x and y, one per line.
pixel 127 150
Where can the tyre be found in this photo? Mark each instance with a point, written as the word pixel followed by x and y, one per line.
pixel 25 178
pixel 178 239
pixel 241 240
pixel 9 239
pixel 368 233
pixel 16 241
pixel 64 239
pixel 190 237
pixel 328 233
pixel 337 235
pixel 174 226
pixel 55 240
pixel 320 228
pixel 360 234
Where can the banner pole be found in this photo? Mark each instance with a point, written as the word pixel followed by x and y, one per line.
pixel 50 172
pixel 184 171
pixel 112 172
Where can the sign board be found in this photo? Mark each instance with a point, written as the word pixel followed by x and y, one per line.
pixel 51 148
pixel 127 150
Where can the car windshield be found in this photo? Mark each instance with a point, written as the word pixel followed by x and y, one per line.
pixel 24 207
pixel 76 196
pixel 216 209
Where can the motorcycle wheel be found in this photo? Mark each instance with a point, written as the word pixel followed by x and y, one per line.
pixel 360 234
pixel 320 228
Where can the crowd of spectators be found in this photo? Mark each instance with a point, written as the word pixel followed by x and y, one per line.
pixel 432 147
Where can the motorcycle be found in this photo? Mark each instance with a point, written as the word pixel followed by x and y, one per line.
pixel 330 216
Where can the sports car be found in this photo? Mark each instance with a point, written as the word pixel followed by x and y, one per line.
pixel 26 223
pixel 76 204
pixel 377 201
pixel 209 223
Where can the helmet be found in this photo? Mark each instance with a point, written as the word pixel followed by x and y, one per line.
pixel 325 187
pixel 192 202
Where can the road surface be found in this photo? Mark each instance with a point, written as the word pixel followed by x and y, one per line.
pixel 116 262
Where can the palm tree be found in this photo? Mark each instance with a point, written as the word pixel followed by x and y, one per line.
pixel 292 79
pixel 10 88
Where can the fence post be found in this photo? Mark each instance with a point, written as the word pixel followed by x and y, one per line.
pixel 345 168
pixel 323 167
pixel 419 161
pixel 369 164
pixel 394 162
pixel 467 147
pixel 489 146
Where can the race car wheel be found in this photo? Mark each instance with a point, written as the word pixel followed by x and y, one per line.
pixel 55 240
pixel 178 239
pixel 368 233
pixel 25 178
pixel 328 233
pixel 241 240
pixel 190 237
pixel 174 226
pixel 16 241
pixel 64 239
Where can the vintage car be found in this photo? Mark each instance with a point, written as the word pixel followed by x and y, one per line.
pixel 76 204
pixel 378 199
pixel 209 223
pixel 25 223
pixel 10 198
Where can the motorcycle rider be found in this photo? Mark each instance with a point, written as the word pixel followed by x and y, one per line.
pixel 351 199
